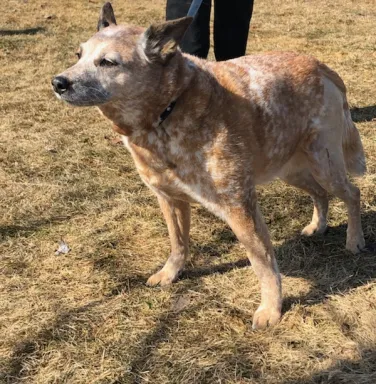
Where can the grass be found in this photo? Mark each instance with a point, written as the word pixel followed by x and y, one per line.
pixel 87 317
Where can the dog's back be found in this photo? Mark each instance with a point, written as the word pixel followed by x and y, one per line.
pixel 277 99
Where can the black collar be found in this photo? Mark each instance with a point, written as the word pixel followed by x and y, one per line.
pixel 166 113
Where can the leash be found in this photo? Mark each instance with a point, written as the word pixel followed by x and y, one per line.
pixel 193 9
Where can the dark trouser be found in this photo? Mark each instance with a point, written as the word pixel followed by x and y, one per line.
pixel 231 25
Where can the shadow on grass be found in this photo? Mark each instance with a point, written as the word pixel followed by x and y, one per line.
pixel 31 349
pixel 27 31
pixel 194 371
pixel 30 228
pixel 327 264
pixel 195 273
pixel 320 259
pixel 222 241
pixel 330 268
pixel 361 115
pixel 345 372
pixel 161 333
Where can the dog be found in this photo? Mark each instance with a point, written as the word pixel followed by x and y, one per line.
pixel 208 133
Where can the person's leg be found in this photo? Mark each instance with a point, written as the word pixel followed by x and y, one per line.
pixel 231 25
pixel 197 38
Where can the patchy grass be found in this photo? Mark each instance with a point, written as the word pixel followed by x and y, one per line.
pixel 87 317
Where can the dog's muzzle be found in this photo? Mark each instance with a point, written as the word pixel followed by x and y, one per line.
pixel 60 84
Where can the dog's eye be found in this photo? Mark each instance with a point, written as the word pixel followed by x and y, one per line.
pixel 78 54
pixel 107 63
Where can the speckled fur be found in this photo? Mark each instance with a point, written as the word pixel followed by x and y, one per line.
pixel 236 124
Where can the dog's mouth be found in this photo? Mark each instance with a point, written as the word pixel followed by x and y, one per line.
pixel 72 99
pixel 81 95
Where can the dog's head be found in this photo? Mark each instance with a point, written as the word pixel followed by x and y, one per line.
pixel 120 62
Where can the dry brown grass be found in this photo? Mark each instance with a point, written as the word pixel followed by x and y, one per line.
pixel 87 317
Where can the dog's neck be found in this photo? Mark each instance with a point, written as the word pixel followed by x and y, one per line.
pixel 127 130
pixel 135 118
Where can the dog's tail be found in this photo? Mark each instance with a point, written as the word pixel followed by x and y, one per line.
pixel 352 146
pixel 351 143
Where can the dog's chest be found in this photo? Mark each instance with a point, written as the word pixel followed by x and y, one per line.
pixel 168 168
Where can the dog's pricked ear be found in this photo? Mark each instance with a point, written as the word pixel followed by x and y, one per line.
pixel 160 41
pixel 106 17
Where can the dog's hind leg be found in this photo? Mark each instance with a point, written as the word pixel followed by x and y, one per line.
pixel 327 165
pixel 304 180
pixel 249 227
pixel 177 216
pixel 332 144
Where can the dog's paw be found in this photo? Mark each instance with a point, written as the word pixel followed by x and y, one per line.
pixel 265 317
pixel 312 229
pixel 356 245
pixel 162 278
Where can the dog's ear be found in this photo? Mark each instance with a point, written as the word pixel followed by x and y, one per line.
pixel 106 17
pixel 160 41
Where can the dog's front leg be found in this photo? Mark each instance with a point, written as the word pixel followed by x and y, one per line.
pixel 249 227
pixel 178 217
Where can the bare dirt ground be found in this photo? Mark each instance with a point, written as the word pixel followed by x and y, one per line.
pixel 87 317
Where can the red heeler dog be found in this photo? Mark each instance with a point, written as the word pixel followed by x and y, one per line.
pixel 208 132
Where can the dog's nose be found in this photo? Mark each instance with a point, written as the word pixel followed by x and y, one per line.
pixel 60 84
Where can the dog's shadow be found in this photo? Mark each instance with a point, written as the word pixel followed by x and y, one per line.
pixel 324 261
pixel 321 259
